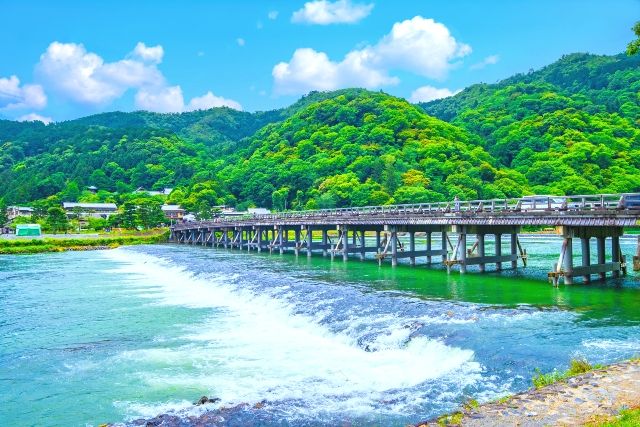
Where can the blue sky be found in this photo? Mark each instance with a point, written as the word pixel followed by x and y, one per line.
pixel 66 59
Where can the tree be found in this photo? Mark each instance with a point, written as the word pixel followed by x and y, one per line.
pixel 3 213
pixel 634 46
pixel 128 217
pixel 279 199
pixel 150 214
pixel 57 219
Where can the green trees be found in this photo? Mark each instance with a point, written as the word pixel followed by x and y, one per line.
pixel 150 214
pixel 634 46
pixel 56 220
pixel 3 213
pixel 573 126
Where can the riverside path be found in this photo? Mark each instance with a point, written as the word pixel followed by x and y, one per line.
pixel 462 227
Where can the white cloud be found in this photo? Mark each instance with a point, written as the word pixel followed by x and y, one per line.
pixel 311 70
pixel 84 76
pixel 418 45
pixel 13 96
pixel 151 54
pixel 430 93
pixel 240 41
pixel 171 100
pixel 273 14
pixel 324 12
pixel 160 99
pixel 489 60
pixel 209 100
pixel 33 117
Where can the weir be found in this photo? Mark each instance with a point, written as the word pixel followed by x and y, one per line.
pixel 396 232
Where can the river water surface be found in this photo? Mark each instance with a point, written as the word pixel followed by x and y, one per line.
pixel 110 336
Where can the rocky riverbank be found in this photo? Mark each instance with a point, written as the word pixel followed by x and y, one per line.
pixel 586 399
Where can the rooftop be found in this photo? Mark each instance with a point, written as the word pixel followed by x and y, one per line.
pixel 171 208
pixel 71 205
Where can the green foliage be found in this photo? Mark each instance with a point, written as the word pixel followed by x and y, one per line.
pixel 3 213
pixel 627 418
pixel 571 127
pixel 576 367
pixel 57 219
pixel 23 246
pixel 634 46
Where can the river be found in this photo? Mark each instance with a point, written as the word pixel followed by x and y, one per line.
pixel 110 336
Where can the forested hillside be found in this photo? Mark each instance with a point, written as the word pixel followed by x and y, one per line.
pixel 571 127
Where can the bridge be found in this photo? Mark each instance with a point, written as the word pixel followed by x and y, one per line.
pixel 457 234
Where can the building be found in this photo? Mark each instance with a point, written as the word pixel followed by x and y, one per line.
pixel 259 211
pixel 174 212
pixel 163 192
pixel 28 230
pixel 95 210
pixel 16 211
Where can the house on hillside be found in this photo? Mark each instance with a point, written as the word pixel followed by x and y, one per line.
pixel 174 212
pixel 163 192
pixel 16 211
pixel 95 210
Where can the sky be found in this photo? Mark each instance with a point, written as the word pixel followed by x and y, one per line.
pixel 67 59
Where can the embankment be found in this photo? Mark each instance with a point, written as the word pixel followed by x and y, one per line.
pixel 32 246
pixel 602 397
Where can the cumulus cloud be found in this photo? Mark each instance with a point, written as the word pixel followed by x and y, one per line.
pixel 323 12
pixel 33 117
pixel 84 76
pixel 13 96
pixel 171 100
pixel 489 60
pixel 151 54
pixel 418 45
pixel 160 99
pixel 273 15
pixel 430 93
pixel 209 100
pixel 311 70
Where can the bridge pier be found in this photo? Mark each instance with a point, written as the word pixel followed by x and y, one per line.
pixel 325 240
pixel 480 238
pixel 464 257
pixel 565 266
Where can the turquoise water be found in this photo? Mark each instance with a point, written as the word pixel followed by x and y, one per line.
pixel 110 336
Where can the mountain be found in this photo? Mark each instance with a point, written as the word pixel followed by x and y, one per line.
pixel 572 127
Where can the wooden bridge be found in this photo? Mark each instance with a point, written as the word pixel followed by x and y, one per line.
pixel 342 232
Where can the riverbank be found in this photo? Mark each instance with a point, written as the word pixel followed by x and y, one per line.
pixel 609 396
pixel 61 244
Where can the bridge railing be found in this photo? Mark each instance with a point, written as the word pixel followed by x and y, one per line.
pixel 526 204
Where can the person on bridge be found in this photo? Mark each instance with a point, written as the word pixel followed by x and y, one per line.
pixel 456 204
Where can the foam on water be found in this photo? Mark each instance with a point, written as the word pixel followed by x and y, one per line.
pixel 255 345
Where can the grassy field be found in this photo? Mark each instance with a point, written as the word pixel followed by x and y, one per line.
pixel 60 244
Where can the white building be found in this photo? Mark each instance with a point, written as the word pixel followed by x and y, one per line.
pixel 95 210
